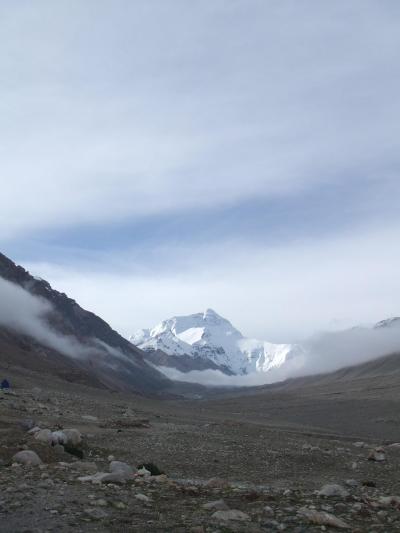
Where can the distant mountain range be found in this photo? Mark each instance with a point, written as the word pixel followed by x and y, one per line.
pixel 209 341
pixel 44 331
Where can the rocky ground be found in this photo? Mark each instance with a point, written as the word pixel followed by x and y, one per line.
pixel 220 472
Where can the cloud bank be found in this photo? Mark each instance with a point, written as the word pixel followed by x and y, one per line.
pixel 117 111
pixel 22 312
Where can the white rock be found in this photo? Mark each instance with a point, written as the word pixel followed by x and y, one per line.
pixel 44 436
pixel 58 437
pixel 232 514
pixel 143 472
pixel 218 505
pixel 377 455
pixel 122 468
pixel 332 489
pixel 34 430
pixel 27 457
pixel 389 501
pixel 142 498
pixel 103 477
pixel 323 519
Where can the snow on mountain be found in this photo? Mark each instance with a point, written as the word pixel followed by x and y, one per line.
pixel 210 337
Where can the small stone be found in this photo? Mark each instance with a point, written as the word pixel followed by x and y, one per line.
pixel 142 498
pixel 96 514
pixel 143 472
pixel 218 505
pixel 232 514
pixel 34 430
pixel 104 477
pixel 100 502
pixel 89 418
pixel 119 505
pixel 85 467
pixel 389 501
pixel 332 490
pixel 217 483
pixel 27 458
pixel 323 519
pixel 351 483
pixel 377 455
pixel 27 424
pixel 44 436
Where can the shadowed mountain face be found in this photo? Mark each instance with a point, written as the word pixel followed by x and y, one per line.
pixel 103 356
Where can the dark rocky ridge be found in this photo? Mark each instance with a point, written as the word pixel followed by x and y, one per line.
pixel 118 365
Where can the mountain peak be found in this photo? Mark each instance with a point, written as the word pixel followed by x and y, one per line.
pixel 211 313
pixel 211 338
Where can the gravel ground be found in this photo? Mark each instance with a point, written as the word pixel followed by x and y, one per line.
pixel 267 472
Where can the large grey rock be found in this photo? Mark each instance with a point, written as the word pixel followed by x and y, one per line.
pixel 27 457
pixel 119 467
pixel 44 436
pixel 332 490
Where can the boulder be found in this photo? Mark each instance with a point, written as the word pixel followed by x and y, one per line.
pixel 122 468
pixel 27 457
pixel 44 436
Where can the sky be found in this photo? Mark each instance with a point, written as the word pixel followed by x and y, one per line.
pixel 160 158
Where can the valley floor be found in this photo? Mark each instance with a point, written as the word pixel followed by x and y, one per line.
pixel 269 453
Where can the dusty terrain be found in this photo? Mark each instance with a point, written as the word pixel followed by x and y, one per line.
pixel 271 453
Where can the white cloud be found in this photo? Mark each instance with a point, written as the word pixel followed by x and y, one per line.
pixel 325 352
pixel 108 114
pixel 27 314
pixel 281 293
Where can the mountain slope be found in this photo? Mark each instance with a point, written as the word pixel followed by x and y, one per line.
pixel 95 350
pixel 207 340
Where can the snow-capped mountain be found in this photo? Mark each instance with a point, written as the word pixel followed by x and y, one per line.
pixel 207 340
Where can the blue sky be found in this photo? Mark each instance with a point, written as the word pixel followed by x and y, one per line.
pixel 159 158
